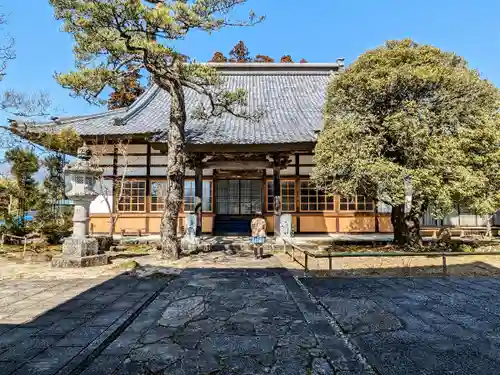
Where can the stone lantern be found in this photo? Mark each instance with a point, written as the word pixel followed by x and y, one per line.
pixel 80 250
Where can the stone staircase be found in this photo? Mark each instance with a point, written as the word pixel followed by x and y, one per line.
pixel 235 243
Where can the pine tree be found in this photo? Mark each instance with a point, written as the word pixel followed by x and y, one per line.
pixel 24 164
pixel 147 34
pixel 240 53
pixel 218 57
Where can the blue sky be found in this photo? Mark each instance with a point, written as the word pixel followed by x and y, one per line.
pixel 319 31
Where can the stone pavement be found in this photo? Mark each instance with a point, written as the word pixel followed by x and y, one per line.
pixel 228 322
pixel 43 330
pixel 255 320
pixel 418 326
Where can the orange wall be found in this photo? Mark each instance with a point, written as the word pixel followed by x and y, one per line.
pixel 133 223
pixel 320 223
pixel 99 225
pixel 356 224
pixel 385 225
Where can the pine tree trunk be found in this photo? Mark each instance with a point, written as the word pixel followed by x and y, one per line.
pixel 406 228
pixel 176 160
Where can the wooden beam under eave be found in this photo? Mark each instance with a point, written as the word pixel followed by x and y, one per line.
pixel 237 165
pixel 260 148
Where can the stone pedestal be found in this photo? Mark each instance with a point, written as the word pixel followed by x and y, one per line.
pixel 80 252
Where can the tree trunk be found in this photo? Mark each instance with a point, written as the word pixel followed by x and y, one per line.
pixel 112 224
pixel 406 227
pixel 176 160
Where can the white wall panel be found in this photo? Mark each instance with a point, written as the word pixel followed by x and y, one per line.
pixel 451 219
pixel 108 171
pixel 290 171
pixel 137 149
pixel 105 190
pixel 105 160
pixel 158 171
pixel 132 171
pixel 303 171
pixel 305 159
pixel 158 159
pixel 481 221
pixel 132 160
pixel 101 149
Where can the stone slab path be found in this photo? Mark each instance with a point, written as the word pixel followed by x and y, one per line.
pixel 228 322
pixel 249 321
pixel 49 327
pixel 422 326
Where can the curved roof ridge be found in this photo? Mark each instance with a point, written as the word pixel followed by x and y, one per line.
pixel 278 66
pixel 70 119
pixel 143 97
pixel 142 102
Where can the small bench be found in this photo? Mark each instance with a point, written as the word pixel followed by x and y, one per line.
pixel 132 232
pixel 473 232
pixel 429 232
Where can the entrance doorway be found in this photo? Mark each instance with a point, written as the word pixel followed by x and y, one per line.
pixel 235 202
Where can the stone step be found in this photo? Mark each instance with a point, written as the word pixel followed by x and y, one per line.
pixel 237 246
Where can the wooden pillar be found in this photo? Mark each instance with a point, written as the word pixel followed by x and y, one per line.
pixel 198 197
pixel 148 186
pixel 195 161
pixel 278 163
pixel 277 196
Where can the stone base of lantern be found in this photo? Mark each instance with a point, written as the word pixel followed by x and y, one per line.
pixel 80 252
pixel 90 261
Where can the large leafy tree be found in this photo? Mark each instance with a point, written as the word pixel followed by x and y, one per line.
pixel 411 123
pixel 113 34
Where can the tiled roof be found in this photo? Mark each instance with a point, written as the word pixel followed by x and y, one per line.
pixel 290 98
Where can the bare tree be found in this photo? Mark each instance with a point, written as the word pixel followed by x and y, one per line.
pixel 116 191
pixel 25 107
pixel 7 52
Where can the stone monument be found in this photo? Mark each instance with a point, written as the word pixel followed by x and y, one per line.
pixel 189 241
pixel 80 250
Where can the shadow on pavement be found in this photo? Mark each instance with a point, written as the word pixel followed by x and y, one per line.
pixel 232 321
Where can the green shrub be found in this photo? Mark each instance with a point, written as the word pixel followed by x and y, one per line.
pixel 53 228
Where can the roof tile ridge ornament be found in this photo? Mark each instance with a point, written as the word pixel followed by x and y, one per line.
pixel 118 121
pixel 340 63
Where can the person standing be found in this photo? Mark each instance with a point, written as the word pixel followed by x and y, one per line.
pixel 259 230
